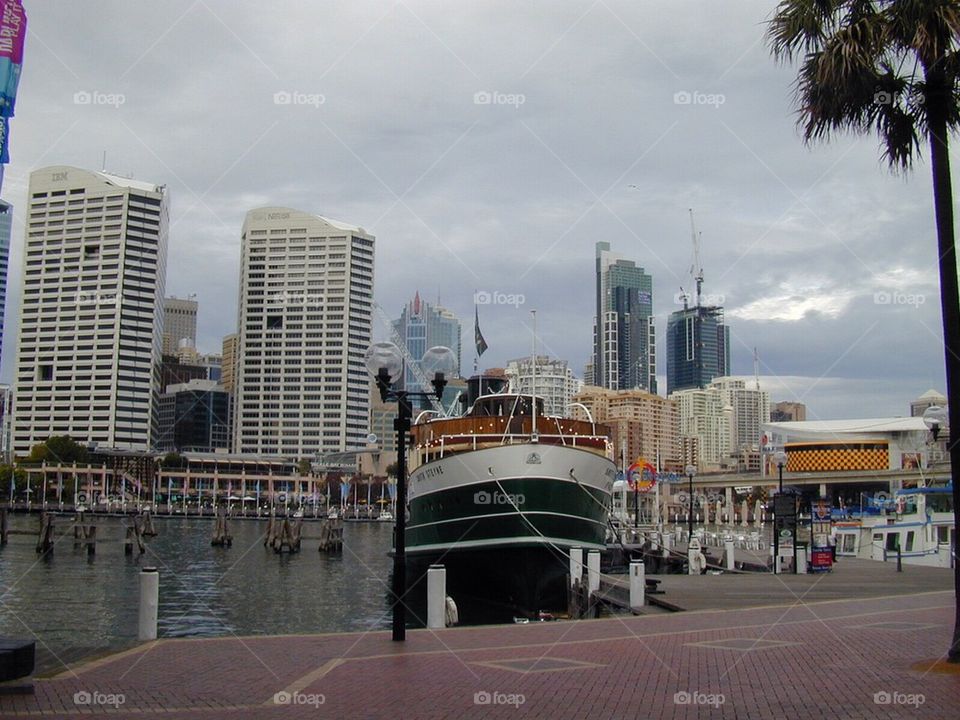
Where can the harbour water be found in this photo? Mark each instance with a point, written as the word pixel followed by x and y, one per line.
pixel 75 605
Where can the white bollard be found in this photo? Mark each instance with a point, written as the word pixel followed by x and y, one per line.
pixel 593 570
pixel 802 560
pixel 693 558
pixel 638 580
pixel 731 557
pixel 436 597
pixel 667 537
pixel 576 565
pixel 149 603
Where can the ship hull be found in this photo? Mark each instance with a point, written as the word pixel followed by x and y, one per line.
pixel 502 521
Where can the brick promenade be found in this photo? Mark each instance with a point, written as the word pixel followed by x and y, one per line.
pixel 864 658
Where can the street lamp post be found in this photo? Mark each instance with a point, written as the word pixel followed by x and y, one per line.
pixel 691 471
pixel 385 362
pixel 780 458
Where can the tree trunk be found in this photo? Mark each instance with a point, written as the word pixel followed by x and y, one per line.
pixel 937 99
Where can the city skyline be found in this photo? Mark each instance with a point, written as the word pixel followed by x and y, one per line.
pixel 804 244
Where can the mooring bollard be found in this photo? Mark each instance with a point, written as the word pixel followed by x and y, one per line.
pixel 576 565
pixel 667 537
pixel 593 570
pixel 731 555
pixel 638 580
pixel 436 597
pixel 149 603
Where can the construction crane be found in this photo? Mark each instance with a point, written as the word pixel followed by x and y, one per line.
pixel 696 269
pixel 409 363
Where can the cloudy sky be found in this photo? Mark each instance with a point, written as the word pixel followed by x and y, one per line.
pixel 488 146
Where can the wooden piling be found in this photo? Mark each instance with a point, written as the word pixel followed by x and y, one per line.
pixel 221 532
pixel 4 530
pixel 91 540
pixel 45 539
pixel 331 535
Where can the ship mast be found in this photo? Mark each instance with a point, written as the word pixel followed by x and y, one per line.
pixel 533 390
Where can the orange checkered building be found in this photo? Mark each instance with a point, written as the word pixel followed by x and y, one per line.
pixel 823 456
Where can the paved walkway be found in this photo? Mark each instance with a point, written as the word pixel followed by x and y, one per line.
pixel 863 658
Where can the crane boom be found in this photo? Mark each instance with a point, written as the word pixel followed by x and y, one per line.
pixel 696 269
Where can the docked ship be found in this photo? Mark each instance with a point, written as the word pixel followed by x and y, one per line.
pixel 500 495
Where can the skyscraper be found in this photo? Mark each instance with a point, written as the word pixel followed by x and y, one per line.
pixel 95 261
pixel 698 347
pixel 624 356
pixel 179 322
pixel 6 225
pixel 422 326
pixel 306 296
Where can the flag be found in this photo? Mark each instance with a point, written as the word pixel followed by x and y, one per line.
pixel 477 335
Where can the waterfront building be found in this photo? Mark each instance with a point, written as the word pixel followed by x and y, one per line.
pixel 643 424
pixel 420 327
pixel 788 412
pixel 6 422
pixel 194 416
pixel 306 297
pixel 698 347
pixel 870 444
pixel 91 311
pixel 547 378
pixel 624 334
pixel 179 323
pixel 6 228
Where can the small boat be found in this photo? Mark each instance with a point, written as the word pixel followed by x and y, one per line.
pixel 332 514
pixel 385 516
pixel 298 513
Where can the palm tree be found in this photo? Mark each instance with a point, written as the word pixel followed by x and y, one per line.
pixel 890 67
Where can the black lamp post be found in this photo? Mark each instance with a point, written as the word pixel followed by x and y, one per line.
pixel 691 471
pixel 385 362
pixel 780 458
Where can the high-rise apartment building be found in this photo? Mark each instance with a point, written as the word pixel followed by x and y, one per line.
pixel 306 296
pixel 6 228
pixel 549 378
pixel 698 347
pixel 643 425
pixel 708 422
pixel 750 406
pixel 92 309
pixel 179 323
pixel 422 326
pixel 624 334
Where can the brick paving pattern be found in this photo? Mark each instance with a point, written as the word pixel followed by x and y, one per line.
pixel 864 658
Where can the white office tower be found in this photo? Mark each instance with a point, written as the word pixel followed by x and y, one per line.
pixel 91 313
pixel 306 296
pixel 179 323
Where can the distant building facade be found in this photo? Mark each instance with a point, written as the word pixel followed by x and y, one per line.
pixel 91 314
pixel 194 417
pixel 788 412
pixel 422 326
pixel 179 322
pixel 643 424
pixel 547 378
pixel 624 335
pixel 228 363
pixel 708 420
pixel 698 348
pixel 931 398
